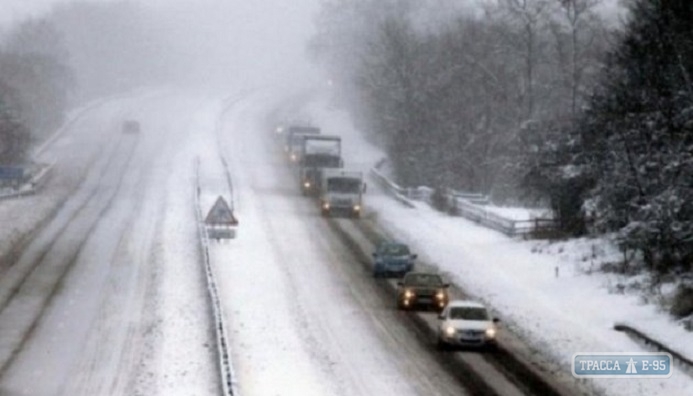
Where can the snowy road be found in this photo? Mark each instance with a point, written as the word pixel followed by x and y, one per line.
pixel 108 296
pixel 93 305
pixel 306 316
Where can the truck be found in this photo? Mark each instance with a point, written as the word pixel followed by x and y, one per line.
pixel 318 152
pixel 294 140
pixel 341 192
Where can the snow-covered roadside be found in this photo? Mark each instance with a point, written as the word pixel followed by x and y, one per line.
pixel 561 315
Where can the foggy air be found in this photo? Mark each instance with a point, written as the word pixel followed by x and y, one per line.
pixel 346 197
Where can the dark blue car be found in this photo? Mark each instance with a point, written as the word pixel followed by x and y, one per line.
pixel 392 258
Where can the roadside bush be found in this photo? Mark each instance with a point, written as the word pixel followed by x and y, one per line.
pixel 440 202
pixel 683 302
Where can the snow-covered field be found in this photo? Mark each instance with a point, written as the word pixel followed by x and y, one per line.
pixel 558 314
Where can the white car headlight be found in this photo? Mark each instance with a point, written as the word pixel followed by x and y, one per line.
pixel 306 184
pixel 450 331
pixel 440 295
pixel 326 206
pixel 408 294
pixel 357 208
pixel 491 332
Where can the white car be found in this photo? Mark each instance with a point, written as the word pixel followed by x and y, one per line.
pixel 466 323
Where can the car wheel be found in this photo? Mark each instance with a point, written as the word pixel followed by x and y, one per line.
pixel 491 346
pixel 442 345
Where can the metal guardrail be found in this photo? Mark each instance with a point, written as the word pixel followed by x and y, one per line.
pixel 656 345
pixel 32 186
pixel 228 377
pixel 397 192
pixel 468 206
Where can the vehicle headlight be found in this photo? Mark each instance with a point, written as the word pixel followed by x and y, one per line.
pixel 357 208
pixel 293 157
pixel 450 331
pixel 326 206
pixel 408 294
pixel 306 184
pixel 491 332
pixel 440 295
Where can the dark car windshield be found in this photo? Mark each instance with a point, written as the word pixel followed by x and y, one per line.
pixel 469 313
pixel 344 185
pixel 395 250
pixel 423 280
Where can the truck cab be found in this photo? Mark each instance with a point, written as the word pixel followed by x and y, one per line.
pixel 294 140
pixel 341 192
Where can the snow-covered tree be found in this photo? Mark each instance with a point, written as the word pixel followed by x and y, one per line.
pixel 14 136
pixel 34 66
pixel 637 136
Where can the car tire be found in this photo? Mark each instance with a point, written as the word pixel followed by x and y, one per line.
pixel 442 345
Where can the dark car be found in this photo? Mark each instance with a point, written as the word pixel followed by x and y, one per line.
pixel 392 258
pixel 131 126
pixel 422 290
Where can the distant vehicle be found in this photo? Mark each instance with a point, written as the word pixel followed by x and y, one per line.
pixel 318 152
pixel 392 258
pixel 294 140
pixel 422 290
pixel 466 324
pixel 341 192
pixel 131 126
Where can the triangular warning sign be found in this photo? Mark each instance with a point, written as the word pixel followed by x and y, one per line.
pixel 221 214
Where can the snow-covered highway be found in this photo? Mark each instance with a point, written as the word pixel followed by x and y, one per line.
pixel 106 294
pixel 94 304
pixel 103 288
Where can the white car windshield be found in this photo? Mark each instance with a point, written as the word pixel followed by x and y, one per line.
pixel 468 313
pixel 395 250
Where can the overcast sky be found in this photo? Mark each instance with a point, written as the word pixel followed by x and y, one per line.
pixel 259 37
